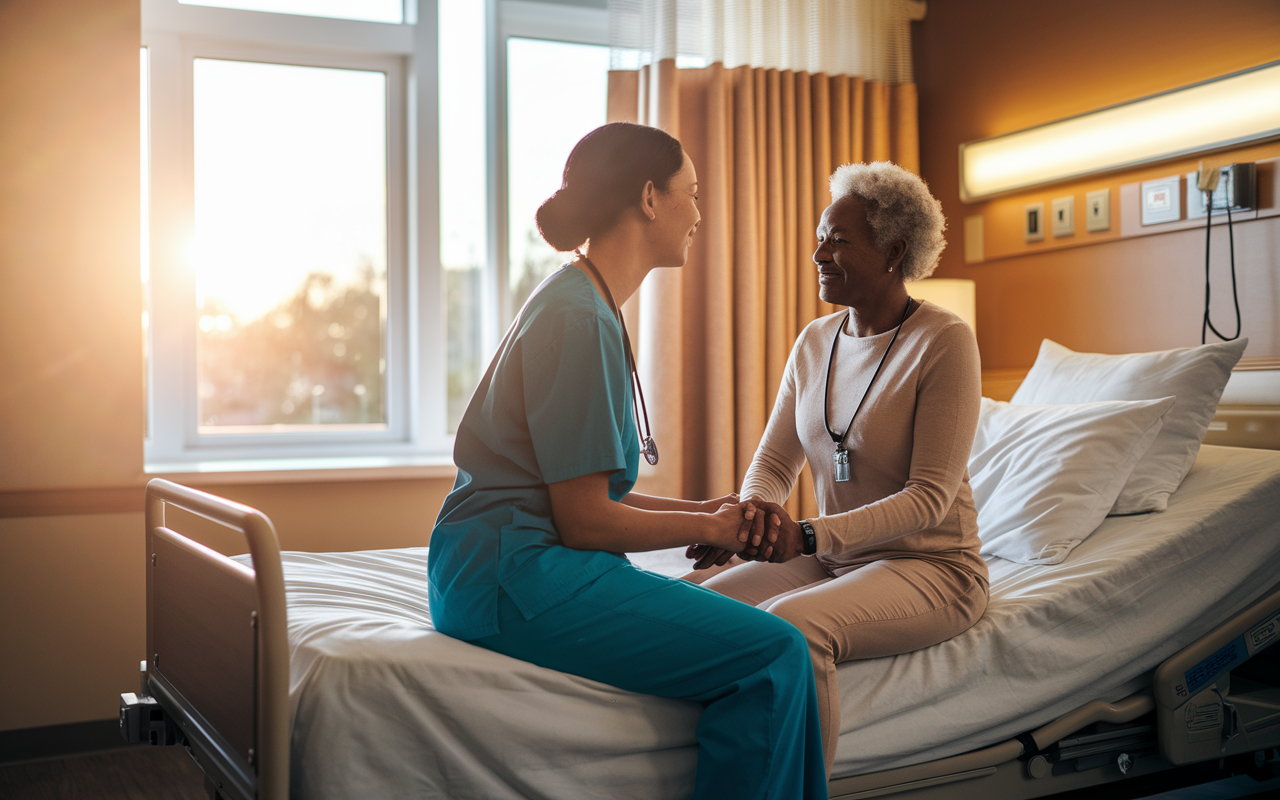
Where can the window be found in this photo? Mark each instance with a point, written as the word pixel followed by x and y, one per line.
pixel 341 199
pixel 290 246
pixel 538 72
pixel 368 10
pixel 570 78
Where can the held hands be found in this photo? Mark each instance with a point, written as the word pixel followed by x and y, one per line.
pixel 765 532
pixel 729 532
pixel 785 534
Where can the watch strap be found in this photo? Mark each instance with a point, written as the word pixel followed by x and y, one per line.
pixel 810 538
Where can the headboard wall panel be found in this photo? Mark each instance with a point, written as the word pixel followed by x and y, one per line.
pixel 1248 414
pixel 987 67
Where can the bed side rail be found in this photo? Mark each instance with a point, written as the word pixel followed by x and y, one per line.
pixel 982 763
pixel 1196 717
pixel 218 644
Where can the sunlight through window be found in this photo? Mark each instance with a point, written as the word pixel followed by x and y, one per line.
pixel 463 211
pixel 290 245
pixel 557 92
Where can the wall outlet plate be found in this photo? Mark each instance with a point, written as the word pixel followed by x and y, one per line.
pixel 1162 200
pixel 1236 189
pixel 1033 222
pixel 1097 211
pixel 1064 217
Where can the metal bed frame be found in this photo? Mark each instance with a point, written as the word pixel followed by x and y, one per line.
pixel 217 683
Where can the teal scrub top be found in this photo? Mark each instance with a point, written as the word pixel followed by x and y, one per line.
pixel 555 404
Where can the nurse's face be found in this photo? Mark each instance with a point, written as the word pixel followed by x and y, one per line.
pixel 676 217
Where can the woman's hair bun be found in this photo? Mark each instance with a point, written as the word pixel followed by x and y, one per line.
pixel 604 175
pixel 560 222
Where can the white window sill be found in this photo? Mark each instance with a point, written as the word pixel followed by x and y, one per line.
pixel 304 470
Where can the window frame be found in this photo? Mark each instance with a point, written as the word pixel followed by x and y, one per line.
pixel 524 19
pixel 175 35
pixel 415 437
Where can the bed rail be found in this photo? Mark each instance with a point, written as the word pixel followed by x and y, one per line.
pixel 981 763
pixel 1202 714
pixel 218 644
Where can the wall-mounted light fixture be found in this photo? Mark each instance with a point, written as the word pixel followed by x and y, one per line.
pixel 1222 112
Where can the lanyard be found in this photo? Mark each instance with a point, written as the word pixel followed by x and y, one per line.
pixel 841 456
pixel 650 449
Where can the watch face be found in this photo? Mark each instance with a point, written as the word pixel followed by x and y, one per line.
pixel 810 539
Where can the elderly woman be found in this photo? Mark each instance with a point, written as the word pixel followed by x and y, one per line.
pixel 882 401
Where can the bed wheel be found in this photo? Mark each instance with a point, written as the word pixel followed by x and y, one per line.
pixel 1038 766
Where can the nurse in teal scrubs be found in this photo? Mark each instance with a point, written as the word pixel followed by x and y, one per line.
pixel 526 555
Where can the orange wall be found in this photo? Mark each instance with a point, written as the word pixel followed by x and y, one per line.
pixel 72 579
pixel 70 296
pixel 986 67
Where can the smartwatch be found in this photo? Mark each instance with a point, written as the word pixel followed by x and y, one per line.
pixel 810 538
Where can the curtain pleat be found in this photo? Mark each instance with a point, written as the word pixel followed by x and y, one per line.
pixel 715 335
pixel 877 123
pixel 858 126
pixel 905 126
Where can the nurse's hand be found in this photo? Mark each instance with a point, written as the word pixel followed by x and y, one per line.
pixel 756 534
pixel 727 529
pixel 712 506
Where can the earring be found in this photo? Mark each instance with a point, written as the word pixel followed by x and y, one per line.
pixel 891 269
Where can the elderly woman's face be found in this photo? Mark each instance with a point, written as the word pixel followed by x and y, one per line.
pixel 852 270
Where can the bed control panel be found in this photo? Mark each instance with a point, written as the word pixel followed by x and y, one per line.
pixel 1221 696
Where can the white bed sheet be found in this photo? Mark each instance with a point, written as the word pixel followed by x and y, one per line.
pixel 384 706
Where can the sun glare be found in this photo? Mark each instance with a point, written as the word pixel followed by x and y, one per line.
pixel 290 178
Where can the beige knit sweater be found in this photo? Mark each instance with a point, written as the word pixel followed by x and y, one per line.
pixel 908 493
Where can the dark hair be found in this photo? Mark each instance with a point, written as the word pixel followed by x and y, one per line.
pixel 604 176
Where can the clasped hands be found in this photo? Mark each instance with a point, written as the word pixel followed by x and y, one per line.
pixel 764 532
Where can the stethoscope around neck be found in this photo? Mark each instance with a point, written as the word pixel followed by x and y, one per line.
pixel 649 448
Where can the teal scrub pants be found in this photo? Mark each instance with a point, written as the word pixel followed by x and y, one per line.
pixel 759 735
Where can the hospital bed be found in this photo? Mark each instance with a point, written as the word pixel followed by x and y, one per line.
pixel 318 675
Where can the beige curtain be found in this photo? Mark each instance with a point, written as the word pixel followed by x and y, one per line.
pixel 715 335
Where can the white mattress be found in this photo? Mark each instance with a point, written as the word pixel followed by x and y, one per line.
pixel 385 706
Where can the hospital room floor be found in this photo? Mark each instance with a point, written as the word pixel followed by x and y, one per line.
pixel 167 773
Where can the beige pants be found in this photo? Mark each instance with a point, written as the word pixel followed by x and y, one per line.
pixel 881 609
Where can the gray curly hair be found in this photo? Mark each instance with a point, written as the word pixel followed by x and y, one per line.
pixel 899 206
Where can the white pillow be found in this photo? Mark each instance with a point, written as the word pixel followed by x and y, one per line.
pixel 1044 477
pixel 1194 375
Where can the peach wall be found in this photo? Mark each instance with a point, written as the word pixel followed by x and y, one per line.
pixel 986 67
pixel 73 588
pixel 357 515
pixel 71 404
pixel 72 617
pixel 70 295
